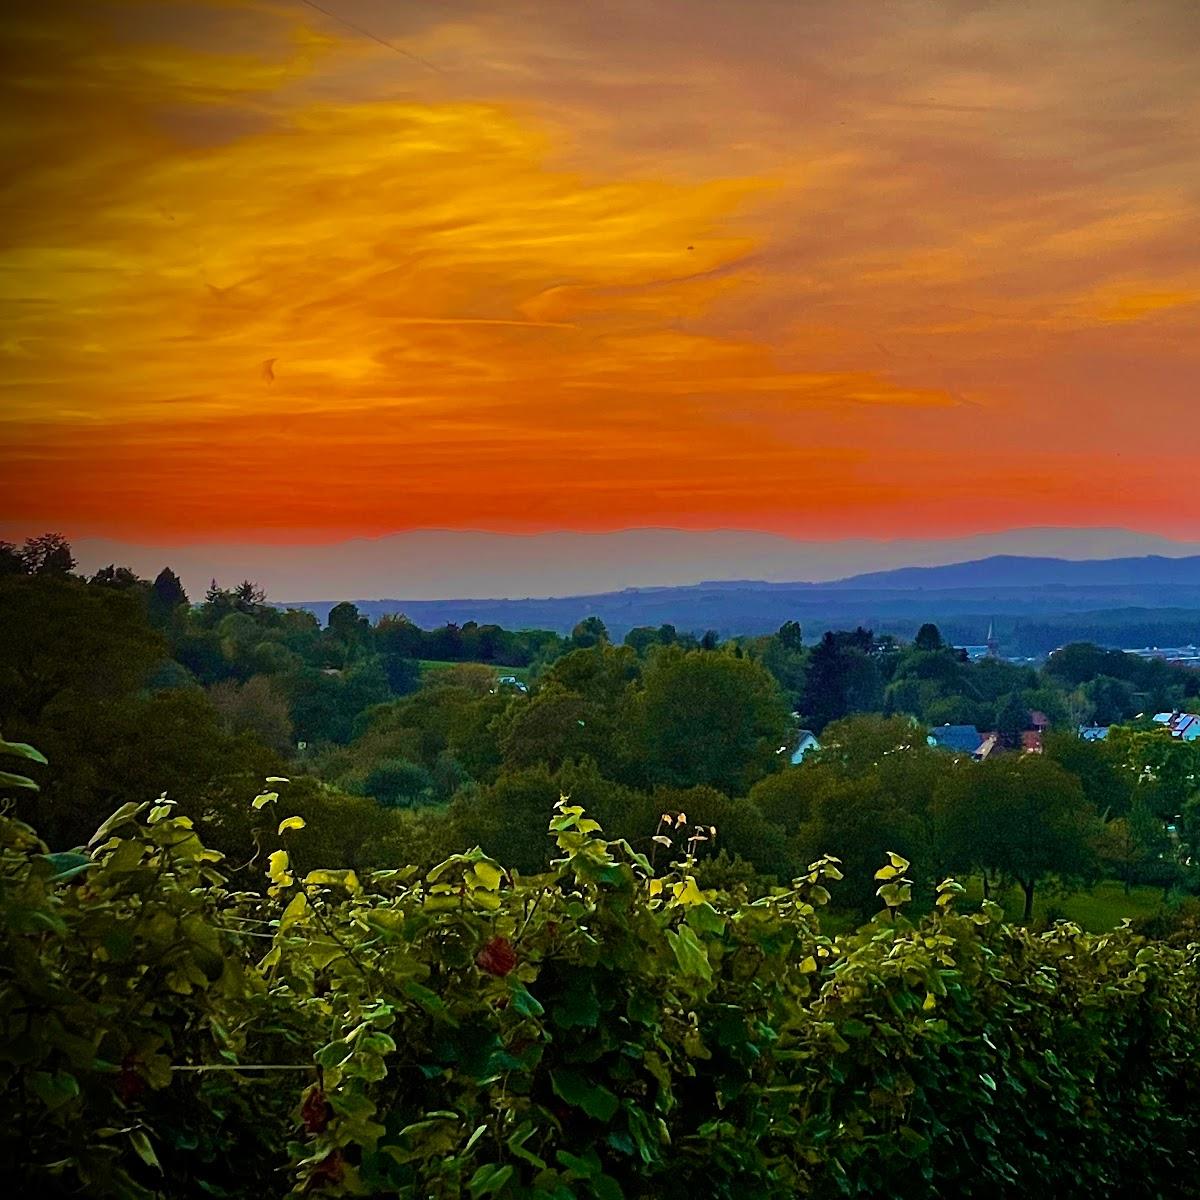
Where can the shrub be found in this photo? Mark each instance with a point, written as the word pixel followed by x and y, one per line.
pixel 591 1031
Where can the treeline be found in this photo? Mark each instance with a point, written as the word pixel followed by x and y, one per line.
pixel 132 690
pixel 172 1024
pixel 463 762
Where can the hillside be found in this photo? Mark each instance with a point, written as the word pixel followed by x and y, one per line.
pixel 1038 603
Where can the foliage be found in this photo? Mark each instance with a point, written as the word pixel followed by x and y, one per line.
pixel 599 1030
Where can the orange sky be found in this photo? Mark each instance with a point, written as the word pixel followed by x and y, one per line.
pixel 815 268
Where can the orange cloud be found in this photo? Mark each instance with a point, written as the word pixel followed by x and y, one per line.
pixel 557 279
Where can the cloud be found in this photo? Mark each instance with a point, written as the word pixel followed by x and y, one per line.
pixel 797 266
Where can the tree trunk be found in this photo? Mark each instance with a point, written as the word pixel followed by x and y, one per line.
pixel 987 887
pixel 1027 888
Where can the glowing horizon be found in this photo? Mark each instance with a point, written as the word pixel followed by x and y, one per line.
pixel 826 271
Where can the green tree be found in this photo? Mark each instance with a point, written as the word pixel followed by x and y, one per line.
pixel 705 718
pixel 929 638
pixel 591 631
pixel 166 598
pixel 1019 818
pixel 398 783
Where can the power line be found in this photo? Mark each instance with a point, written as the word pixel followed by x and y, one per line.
pixel 373 36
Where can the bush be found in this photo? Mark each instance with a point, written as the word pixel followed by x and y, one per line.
pixel 593 1031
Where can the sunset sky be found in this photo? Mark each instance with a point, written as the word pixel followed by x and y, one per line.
pixel 823 269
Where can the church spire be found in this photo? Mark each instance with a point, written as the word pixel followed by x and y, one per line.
pixel 993 642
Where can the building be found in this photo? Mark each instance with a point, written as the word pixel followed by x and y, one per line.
pixel 1185 726
pixel 806 743
pixel 960 739
pixel 992 641
pixel 1093 733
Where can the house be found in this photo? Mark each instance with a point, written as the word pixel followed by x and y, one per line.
pixel 1186 726
pixel 960 739
pixel 1093 733
pixel 806 742
pixel 1031 741
pixel 989 744
pixel 1038 720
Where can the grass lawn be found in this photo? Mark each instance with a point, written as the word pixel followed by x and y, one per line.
pixel 428 665
pixel 1095 909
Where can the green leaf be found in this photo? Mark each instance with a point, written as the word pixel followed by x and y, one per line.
pixel 579 1006
pixel 263 799
pixel 524 1002
pixel 346 878
pixel 691 956
pixel 66 864
pixel 141 1144
pixel 290 823
pixel 294 912
pixel 596 1101
pixel 125 813
pixel 22 750
pixel 54 1090
pixel 586 1168
pixel 8 779
pixel 489 1179
pixel 516 1145
pixel 705 919
pixel 488 875
pixel 277 869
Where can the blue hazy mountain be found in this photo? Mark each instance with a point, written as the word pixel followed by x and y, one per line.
pixel 1039 603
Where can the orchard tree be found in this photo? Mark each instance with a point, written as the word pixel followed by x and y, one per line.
pixel 1018 818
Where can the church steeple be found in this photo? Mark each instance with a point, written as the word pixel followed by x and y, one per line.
pixel 993 642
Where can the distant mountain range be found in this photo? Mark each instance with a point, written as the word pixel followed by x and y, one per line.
pixel 1038 602
pixel 432 564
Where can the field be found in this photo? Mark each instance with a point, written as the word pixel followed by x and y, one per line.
pixel 1095 909
pixel 430 665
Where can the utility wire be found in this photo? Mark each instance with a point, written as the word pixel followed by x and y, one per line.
pixel 373 36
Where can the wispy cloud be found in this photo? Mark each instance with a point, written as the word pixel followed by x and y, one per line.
pixel 845 268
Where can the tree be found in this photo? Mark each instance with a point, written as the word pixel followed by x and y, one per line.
pixel 1111 700
pixel 258 706
pixel 398 783
pixel 47 554
pixel 1012 719
pixel 591 631
pixel 11 562
pixel 1016 818
pixel 790 636
pixel 552 726
pixel 248 597
pixel 166 597
pixel 62 642
pixel 929 638
pixel 705 718
pixel 121 578
pixel 347 625
pixel 842 678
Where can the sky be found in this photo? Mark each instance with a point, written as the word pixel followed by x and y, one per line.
pixel 273 274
